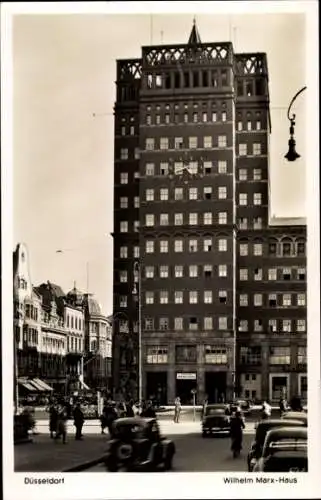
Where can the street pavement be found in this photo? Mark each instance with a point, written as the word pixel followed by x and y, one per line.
pixel 193 452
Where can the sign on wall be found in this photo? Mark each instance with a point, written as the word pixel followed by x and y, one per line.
pixel 186 376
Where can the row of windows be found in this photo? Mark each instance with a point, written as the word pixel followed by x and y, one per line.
pixel 194 117
pixel 256 174
pixel 30 335
pixel 75 344
pixel 124 177
pixel 165 143
pixel 179 219
pixel 73 322
pixel 212 354
pixel 31 312
pixel 192 323
pixel 187 79
pixel 206 166
pixel 273 325
pixel 286 249
pixel 207 270
pixel 274 300
pixel 50 343
pixel 280 355
pixel 162 108
pixel 22 283
pixel 178 193
pixel 192 245
pixel 272 274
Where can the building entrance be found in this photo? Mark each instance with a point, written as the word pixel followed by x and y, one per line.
pixel 156 387
pixel 185 384
pixel 215 386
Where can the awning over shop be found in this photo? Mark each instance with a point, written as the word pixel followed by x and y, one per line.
pixel 42 384
pixel 27 385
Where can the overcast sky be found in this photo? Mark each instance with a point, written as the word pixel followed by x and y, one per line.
pixel 64 71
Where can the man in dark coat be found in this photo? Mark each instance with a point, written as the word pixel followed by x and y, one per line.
pixel 78 421
pixel 236 432
pixel 149 411
pixel 53 420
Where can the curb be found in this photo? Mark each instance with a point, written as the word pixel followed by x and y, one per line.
pixel 85 465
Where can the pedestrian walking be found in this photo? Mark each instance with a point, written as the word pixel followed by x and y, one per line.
pixel 149 411
pixel 266 410
pixel 53 420
pixel 177 410
pixel 62 424
pixel 283 405
pixel 236 432
pixel 79 420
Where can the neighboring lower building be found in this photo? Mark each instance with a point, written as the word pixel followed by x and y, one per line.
pixel 222 305
pixel 62 343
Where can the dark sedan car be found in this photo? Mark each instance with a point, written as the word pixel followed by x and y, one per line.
pixel 137 445
pixel 290 440
pixel 215 420
pixel 262 429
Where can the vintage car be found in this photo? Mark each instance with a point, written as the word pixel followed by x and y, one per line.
pixel 280 440
pixel 296 415
pixel 262 429
pixel 286 461
pixel 215 420
pixel 137 445
pixel 243 404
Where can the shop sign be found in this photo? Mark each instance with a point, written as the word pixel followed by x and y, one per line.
pixel 186 376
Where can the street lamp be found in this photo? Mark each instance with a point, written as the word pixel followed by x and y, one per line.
pixel 292 155
pixel 137 269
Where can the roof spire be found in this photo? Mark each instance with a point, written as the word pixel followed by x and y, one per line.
pixel 194 37
pixel 74 285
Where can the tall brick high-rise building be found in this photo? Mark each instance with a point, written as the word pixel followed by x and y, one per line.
pixel 222 288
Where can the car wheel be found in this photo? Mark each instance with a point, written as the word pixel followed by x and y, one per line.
pixel 204 434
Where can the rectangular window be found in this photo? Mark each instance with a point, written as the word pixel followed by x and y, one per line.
pixel 150 144
pixel 123 202
pixel 222 245
pixel 178 219
pixel 208 270
pixel 249 126
pixel 244 274
pixel 123 252
pixel 193 296
pixel 192 246
pixel 300 325
pixel 163 143
pixel 124 226
pixel 243 223
pixel 193 167
pixel 137 153
pixel 150 246
pixel 149 272
pixel 302 355
pixel 222 270
pixel 178 323
pixel 148 119
pixel 163 272
pixel 207 167
pixel 149 297
pixel 242 174
pixel 123 276
pixel 167 118
pixel 257 223
pixel 164 194
pixel 258 326
pixel 195 117
pixel 222 166
pixel 222 323
pixel 301 299
pixel 163 246
pixel 242 149
pixel 207 192
pixel 163 324
pixel 208 296
pixel 215 355
pixel 239 126
pixel 301 274
pixel 178 143
pixel 214 116
pixel 207 218
pixel 179 194
pixel 258 299
pixel 207 141
pixel 258 274
pixel 193 271
pixel 192 193
pixel 243 300
pixel 286 299
pixel 208 323
pixel 257 198
pixel 258 125
pixel 257 148
pixel 136 202
pixel 192 219
pixel 272 300
pixel 223 116
pixel 178 297
pixel 124 177
pixel 157 119
pixel 150 169
pixel 123 301
pixel 178 271
pixel 204 116
pixel 178 246
pixel 257 249
pixel 163 297
pixel 243 325
pixel 149 220
pixel 163 219
pixel 286 273
pixel 222 296
pixel 222 218
pixel 273 325
pixel 222 141
pixel 164 168
pixel 123 131
pixel 244 249
pixel 280 355
pixel 136 252
pixel 124 154
pixel 149 194
pixel 222 192
pixel 207 245
pixel 192 142
pixel 243 199
pixel 257 174
pixel 272 274
pixel 156 355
